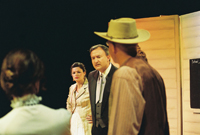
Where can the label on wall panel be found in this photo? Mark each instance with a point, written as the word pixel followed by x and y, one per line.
pixel 195 83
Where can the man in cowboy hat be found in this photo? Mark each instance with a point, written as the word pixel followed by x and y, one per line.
pixel 137 103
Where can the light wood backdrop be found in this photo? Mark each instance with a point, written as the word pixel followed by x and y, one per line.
pixel 163 53
pixel 190 48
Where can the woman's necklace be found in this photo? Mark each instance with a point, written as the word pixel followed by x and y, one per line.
pixel 27 100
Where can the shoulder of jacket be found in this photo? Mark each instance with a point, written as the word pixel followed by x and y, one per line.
pixel 72 87
pixel 85 85
pixel 92 73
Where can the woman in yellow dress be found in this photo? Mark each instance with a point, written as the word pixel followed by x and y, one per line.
pixel 78 101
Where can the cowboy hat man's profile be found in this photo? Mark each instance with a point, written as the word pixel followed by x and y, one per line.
pixel 137 102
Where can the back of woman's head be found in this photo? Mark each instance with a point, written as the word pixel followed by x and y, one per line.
pixel 20 71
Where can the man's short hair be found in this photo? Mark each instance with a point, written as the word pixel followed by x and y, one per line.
pixel 130 49
pixel 105 48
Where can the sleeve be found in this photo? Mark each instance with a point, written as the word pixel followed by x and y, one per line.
pixel 68 103
pixel 126 104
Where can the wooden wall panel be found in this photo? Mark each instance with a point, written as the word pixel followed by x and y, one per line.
pixel 171 63
pixel 171 93
pixel 167 73
pixel 158 43
pixel 160 54
pixel 162 50
pixel 190 48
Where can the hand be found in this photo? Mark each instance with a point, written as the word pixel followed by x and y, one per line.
pixel 89 119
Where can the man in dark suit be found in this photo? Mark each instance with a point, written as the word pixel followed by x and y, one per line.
pixel 99 88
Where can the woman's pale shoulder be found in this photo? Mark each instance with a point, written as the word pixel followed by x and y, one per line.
pixel 62 115
pixel 73 86
pixel 62 112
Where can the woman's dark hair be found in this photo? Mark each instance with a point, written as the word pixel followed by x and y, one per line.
pixel 141 54
pixel 20 71
pixel 78 64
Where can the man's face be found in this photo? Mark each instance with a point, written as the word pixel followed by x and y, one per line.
pixel 99 59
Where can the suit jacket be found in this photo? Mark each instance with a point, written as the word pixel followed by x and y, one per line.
pixel 80 102
pixel 92 79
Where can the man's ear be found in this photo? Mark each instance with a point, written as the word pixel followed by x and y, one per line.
pixel 114 48
pixel 108 56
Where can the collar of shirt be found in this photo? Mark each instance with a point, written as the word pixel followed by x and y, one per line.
pixel 98 88
pixel 106 71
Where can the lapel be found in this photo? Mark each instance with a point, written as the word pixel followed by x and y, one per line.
pixel 82 89
pixel 81 92
pixel 73 98
pixel 93 83
pixel 107 87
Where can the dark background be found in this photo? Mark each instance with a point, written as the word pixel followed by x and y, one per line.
pixel 60 32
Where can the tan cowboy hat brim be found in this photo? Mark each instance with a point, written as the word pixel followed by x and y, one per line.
pixel 143 35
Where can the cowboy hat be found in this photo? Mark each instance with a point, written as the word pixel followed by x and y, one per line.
pixel 124 31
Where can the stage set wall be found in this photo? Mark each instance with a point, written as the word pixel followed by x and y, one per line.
pixel 174 40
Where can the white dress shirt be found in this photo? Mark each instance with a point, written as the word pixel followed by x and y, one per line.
pixel 98 88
